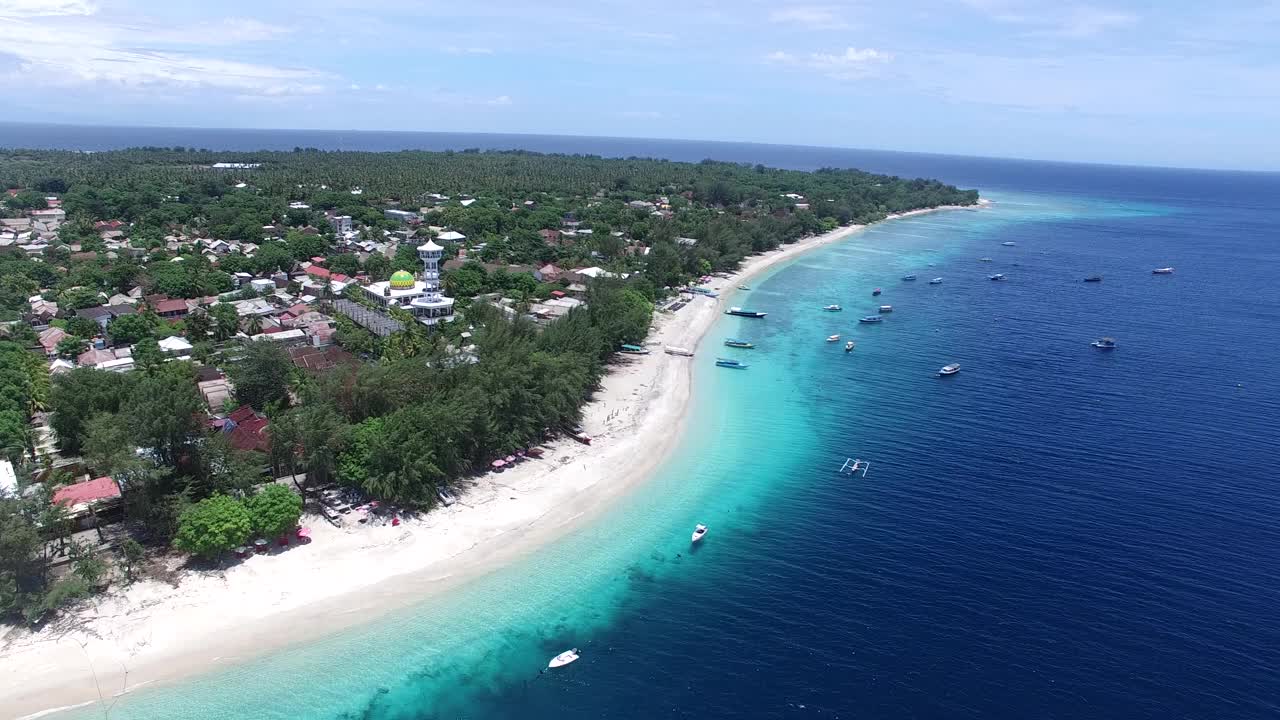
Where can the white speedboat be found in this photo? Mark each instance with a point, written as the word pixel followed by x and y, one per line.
pixel 1008 243
pixel 886 308
pixel 698 533
pixel 833 338
pixel 563 658
pixel 832 308
pixel 848 347
pixel 951 369
pixel 1162 271
pixel 936 281
pixel 673 350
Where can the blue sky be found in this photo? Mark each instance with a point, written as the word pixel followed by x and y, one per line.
pixel 1163 83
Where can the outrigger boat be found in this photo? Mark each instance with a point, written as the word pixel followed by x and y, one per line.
pixel 731 342
pixel 871 319
pixel 727 363
pixel 1162 271
pixel 673 350
pixel 833 308
pixel 936 281
pixel 833 338
pixel 908 277
pixel 1105 343
pixel 744 313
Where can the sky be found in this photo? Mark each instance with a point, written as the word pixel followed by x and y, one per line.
pixel 1169 82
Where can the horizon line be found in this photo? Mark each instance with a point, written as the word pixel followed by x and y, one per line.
pixel 1011 158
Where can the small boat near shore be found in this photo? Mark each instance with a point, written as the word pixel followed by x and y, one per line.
pixel 936 281
pixel 1008 243
pixel 833 338
pixel 633 350
pixel 735 343
pixel 1162 271
pixel 832 308
pixel 997 277
pixel 951 369
pixel 563 658
pixel 727 363
pixel 885 309
pixel 876 292
pixel 869 319
pixel 673 350
pixel 699 532
pixel 1105 343
pixel 743 287
pixel 744 313
pixel 1093 278
pixel 908 278
pixel 848 347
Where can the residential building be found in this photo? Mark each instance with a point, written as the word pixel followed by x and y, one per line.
pixel 340 223
pixel 402 216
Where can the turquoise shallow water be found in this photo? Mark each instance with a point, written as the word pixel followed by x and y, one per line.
pixel 1055 532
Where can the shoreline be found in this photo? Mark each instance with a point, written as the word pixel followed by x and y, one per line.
pixel 153 633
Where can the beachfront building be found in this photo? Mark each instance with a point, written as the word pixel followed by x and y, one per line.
pixel 420 298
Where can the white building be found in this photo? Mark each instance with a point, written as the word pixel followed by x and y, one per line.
pixel 340 223
pixel 421 298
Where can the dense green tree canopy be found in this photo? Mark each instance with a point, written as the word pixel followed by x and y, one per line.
pixel 213 526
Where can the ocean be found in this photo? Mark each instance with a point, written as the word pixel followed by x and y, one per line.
pixel 1055 532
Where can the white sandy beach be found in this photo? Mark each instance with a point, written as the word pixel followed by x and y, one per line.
pixel 159 633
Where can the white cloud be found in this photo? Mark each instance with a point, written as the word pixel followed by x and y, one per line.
pixel 501 100
pixel 64 43
pixel 852 64
pixel 1054 18
pixel 45 8
pixel 810 16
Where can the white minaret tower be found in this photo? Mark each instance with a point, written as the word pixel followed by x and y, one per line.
pixel 432 307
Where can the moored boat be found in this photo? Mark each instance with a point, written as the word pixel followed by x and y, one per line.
pixel 997 277
pixel 848 347
pixel 1008 243
pixel 633 350
pixel 871 319
pixel 833 338
pixel 743 287
pixel 1162 271
pixel 908 277
pixel 951 369
pixel 727 363
pixel 673 350
pixel 886 309
pixel 936 281
pixel 1093 278
pixel 833 308
pixel 699 532
pixel 1105 343
pixel 563 658
pixel 875 292
pixel 733 342
pixel 744 313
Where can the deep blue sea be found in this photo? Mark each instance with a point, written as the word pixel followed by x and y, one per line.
pixel 1055 532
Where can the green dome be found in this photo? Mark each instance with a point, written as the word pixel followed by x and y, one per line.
pixel 401 280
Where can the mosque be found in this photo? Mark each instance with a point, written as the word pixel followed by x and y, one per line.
pixel 421 298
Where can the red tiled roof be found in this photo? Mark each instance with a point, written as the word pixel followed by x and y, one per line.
pixel 242 413
pixel 251 435
pixel 168 306
pixel 319 272
pixel 298 309
pixel 87 491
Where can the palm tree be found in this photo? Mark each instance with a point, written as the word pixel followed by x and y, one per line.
pixel 253 326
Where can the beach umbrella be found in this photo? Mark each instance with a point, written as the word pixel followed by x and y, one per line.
pixel 511 459
pixel 499 463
